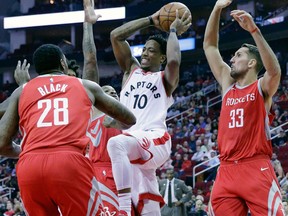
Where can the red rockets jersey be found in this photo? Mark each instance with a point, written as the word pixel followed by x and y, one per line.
pixel 99 136
pixel 244 124
pixel 54 114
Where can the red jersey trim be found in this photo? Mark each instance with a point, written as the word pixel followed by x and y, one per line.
pixel 149 196
pixel 162 140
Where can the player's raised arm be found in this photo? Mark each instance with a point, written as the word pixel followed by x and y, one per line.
pixel 121 48
pixel 90 69
pixel 220 69
pixel 178 26
pixel 271 78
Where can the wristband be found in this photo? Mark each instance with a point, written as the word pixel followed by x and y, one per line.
pixel 173 30
pixel 254 30
pixel 150 20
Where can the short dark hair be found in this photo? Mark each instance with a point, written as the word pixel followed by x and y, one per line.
pixel 47 57
pixel 161 41
pixel 253 52
pixel 72 65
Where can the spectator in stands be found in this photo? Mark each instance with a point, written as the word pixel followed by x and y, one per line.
pixel 198 155
pixel 285 206
pixel 283 117
pixel 177 163
pixel 198 130
pixel 175 193
pixel 281 139
pixel 277 166
pixel 172 112
pixel 202 122
pixel 192 143
pixel 9 209
pixel 199 209
pixel 185 165
pixel 213 162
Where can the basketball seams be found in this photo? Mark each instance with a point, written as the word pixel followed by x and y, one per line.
pixel 168 14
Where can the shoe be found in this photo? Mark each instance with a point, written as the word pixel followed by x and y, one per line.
pixel 123 213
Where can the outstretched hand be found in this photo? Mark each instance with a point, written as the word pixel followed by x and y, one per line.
pixel 223 3
pixel 21 73
pixel 89 13
pixel 181 24
pixel 155 18
pixel 244 19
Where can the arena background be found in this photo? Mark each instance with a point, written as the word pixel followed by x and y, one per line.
pixel 197 95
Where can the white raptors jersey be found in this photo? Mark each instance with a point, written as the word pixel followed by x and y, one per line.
pixel 144 94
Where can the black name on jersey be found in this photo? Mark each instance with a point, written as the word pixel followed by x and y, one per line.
pixel 146 85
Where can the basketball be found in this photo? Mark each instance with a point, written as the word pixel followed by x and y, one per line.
pixel 168 14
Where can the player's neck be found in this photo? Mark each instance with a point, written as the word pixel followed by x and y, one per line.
pixel 54 72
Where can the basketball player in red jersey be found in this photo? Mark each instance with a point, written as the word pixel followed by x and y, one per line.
pixel 98 154
pixel 97 132
pixel 53 174
pixel 245 179
pixel 147 92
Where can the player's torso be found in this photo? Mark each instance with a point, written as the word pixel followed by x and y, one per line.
pixel 50 114
pixel 99 136
pixel 144 94
pixel 243 126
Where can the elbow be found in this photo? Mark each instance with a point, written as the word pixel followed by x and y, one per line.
pixel 206 45
pixel 132 121
pixel 129 123
pixel 114 35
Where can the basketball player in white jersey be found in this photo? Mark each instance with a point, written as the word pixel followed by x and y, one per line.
pixel 147 92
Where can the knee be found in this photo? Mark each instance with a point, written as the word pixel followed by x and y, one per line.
pixel 114 147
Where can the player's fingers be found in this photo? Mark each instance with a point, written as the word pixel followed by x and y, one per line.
pixel 92 3
pixel 98 16
pixel 188 20
pixel 185 16
pixel 27 66
pixel 18 64
pixel 24 64
pixel 237 12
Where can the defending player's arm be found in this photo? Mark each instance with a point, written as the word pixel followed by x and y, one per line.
pixel 220 69
pixel 179 25
pixel 121 48
pixel 271 79
pixel 9 127
pixel 90 70
pixel 123 116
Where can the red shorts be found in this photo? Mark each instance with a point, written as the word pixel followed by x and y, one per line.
pixel 246 184
pixel 107 186
pixel 56 182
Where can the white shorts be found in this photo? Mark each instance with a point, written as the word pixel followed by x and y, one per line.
pixel 154 147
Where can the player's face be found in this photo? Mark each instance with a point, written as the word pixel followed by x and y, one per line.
pixel 110 91
pixel 239 63
pixel 151 58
